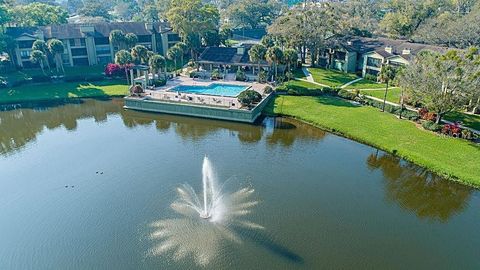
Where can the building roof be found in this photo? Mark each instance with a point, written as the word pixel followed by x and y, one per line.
pixel 66 31
pixel 249 34
pixel 398 47
pixel 227 55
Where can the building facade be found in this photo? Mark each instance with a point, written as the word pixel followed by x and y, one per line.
pixel 89 44
pixel 368 55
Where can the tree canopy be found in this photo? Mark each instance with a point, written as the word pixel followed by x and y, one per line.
pixel 38 14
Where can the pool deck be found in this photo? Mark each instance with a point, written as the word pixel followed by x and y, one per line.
pixel 165 100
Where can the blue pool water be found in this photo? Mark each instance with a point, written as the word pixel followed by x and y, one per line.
pixel 216 89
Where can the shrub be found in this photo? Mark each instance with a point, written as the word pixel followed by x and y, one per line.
pixel 240 75
pixel 262 76
pixel 216 75
pixel 41 78
pixel 248 97
pixel 370 77
pixel 346 94
pixel 159 82
pixel 426 115
pixel 114 70
pixel 193 74
pixel 267 89
pixel 137 89
pixel 451 130
pixel 432 126
pixel 467 134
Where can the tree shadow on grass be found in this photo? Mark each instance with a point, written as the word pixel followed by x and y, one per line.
pixel 337 102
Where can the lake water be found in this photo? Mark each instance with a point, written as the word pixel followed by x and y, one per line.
pixel 82 184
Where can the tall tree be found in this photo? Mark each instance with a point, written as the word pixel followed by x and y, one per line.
pixel 42 46
pixel 140 54
pixel 38 14
pixel 252 13
pixel 173 53
pixel 192 20
pixel 274 56
pixel 130 40
pixel 56 47
pixel 117 38
pixel 440 83
pixel 156 63
pixel 290 57
pixel 257 54
pixel 38 57
pixel 386 75
pixel 94 8
pixel 124 58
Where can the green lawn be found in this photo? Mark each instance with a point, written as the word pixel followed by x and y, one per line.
pixel 393 94
pixel 366 84
pixel 83 70
pixel 332 78
pixel 468 120
pixel 454 158
pixel 52 91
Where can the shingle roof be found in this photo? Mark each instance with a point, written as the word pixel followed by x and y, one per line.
pixel 226 55
pixel 66 31
pixel 365 45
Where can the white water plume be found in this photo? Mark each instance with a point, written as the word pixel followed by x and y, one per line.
pixel 207 221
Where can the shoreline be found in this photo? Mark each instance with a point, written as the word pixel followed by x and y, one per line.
pixel 430 166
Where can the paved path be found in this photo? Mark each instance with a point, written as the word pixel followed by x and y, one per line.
pixel 351 82
pixel 306 80
pixel 308 75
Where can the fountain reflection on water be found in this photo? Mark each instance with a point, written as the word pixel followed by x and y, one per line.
pixel 208 222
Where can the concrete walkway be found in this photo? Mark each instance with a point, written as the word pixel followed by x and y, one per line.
pixel 308 75
pixel 351 82
pixel 313 82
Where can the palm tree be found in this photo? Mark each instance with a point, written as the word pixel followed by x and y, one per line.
pixel 117 38
pixel 140 54
pixel 38 56
pixel 274 56
pixel 257 54
pixel 173 53
pixel 387 74
pixel 56 48
pixel 290 56
pixel 42 46
pixel 130 40
pixel 156 63
pixel 184 49
pixel 123 58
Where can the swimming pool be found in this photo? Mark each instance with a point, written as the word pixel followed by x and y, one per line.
pixel 216 89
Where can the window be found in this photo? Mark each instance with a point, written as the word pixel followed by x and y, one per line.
pixel 339 55
pixel 104 59
pixel 173 37
pixel 102 41
pixel 25 54
pixel 25 44
pixel 144 38
pixel 103 50
pixel 79 51
pixel 72 42
pixel 374 62
pixel 82 42
pixel 80 62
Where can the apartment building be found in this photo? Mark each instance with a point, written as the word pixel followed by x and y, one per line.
pixel 89 44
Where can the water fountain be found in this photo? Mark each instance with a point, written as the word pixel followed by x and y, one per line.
pixel 208 221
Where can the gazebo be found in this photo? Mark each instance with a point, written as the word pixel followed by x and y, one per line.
pixel 142 73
